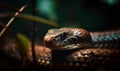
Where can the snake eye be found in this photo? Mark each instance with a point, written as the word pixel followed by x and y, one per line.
pixel 63 36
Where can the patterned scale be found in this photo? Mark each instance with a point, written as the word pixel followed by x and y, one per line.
pixel 106 39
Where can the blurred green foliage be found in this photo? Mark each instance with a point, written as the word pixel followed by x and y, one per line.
pixel 111 2
pixel 24 42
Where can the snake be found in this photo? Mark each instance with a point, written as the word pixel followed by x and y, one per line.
pixel 76 49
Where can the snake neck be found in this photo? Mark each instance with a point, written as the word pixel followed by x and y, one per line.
pixel 106 39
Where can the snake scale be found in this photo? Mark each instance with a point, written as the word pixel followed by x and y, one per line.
pixel 75 49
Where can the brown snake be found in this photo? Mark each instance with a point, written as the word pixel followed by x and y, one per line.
pixel 77 49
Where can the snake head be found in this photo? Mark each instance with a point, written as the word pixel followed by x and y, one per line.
pixel 54 38
pixel 67 38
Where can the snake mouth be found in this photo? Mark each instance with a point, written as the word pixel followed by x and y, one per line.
pixel 65 45
pixel 71 46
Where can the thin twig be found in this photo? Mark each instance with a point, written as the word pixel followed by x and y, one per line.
pixel 11 20
pixel 33 31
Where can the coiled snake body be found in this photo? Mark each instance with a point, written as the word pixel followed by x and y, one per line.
pixel 73 49
pixel 77 49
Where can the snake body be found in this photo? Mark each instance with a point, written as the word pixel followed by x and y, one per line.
pixel 75 49
pixel 99 50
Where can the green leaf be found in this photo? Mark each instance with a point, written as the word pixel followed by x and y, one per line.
pixel 24 43
pixel 30 17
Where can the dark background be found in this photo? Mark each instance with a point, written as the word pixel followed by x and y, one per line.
pixel 93 15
